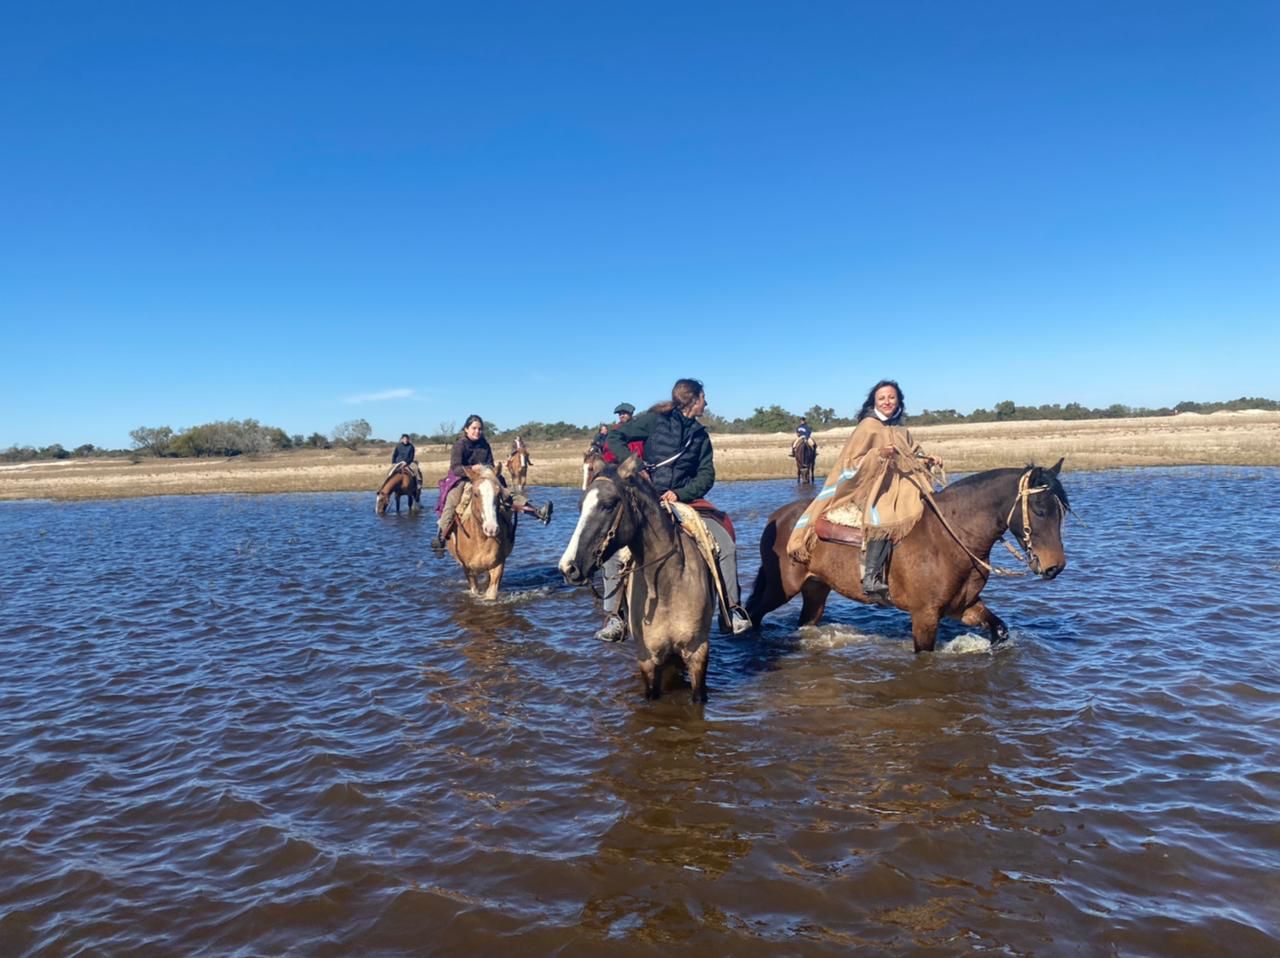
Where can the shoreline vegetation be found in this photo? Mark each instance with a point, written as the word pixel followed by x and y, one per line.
pixel 1239 438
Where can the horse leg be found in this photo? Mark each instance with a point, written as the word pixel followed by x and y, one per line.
pixel 495 580
pixel 924 629
pixel 649 672
pixel 815 594
pixel 696 664
pixel 978 614
pixel 766 595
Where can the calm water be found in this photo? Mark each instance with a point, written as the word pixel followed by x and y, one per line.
pixel 275 725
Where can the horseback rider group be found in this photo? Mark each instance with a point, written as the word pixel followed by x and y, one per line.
pixel 674 451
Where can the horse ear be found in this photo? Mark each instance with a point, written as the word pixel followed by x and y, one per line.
pixel 596 467
pixel 497 469
pixel 629 467
pixel 1057 467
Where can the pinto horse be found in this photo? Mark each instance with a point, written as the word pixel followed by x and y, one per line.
pixel 485 532
pixel 402 482
pixel 933 573
pixel 669 591
pixel 806 455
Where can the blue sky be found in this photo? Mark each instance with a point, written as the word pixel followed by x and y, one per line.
pixel 308 213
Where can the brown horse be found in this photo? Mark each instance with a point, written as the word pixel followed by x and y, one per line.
pixel 485 532
pixel 403 481
pixel 669 592
pixel 518 465
pixel 933 574
pixel 806 455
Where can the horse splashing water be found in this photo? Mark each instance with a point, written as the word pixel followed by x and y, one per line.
pixel 485 531
pixel 668 587
pixel 403 481
pixel 940 567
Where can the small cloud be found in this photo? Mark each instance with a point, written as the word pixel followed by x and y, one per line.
pixel 382 396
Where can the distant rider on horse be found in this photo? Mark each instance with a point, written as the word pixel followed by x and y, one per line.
pixel 803 434
pixel 405 453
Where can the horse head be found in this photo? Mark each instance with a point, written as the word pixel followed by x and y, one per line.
pixel 486 492
pixel 1036 519
pixel 608 519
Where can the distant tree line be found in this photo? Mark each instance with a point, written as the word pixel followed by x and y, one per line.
pixel 241 437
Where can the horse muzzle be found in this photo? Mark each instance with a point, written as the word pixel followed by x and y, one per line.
pixel 573 575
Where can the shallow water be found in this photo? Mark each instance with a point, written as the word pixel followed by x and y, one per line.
pixel 270 725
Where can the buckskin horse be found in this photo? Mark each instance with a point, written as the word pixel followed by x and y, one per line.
pixel 806 455
pixel 933 573
pixel 669 592
pixel 485 532
pixel 403 481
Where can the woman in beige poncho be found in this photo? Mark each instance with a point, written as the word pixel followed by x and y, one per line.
pixel 876 483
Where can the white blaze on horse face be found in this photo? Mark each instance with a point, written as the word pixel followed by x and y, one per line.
pixel 488 508
pixel 589 503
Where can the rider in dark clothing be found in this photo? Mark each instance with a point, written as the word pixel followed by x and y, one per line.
pixel 677 456
pixel 404 451
pixel 473 449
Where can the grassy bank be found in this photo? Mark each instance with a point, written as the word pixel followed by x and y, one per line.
pixel 1229 438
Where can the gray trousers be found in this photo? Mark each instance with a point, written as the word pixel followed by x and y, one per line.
pixel 728 569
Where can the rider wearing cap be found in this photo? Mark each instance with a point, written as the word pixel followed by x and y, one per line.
pixel 624 411
pixel 803 434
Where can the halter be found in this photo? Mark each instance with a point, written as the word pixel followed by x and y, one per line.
pixel 598 554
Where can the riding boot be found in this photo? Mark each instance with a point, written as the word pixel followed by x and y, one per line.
pixel 544 514
pixel 875 556
pixel 437 543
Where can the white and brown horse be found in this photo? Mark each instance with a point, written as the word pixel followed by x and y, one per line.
pixel 484 533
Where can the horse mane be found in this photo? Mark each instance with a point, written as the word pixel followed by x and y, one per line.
pixel 962 489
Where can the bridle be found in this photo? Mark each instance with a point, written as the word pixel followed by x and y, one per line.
pixel 597 554
pixel 1023 499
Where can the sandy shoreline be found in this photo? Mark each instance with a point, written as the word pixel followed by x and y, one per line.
pixel 1230 438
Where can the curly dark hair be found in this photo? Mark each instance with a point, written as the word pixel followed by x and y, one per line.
pixel 869 404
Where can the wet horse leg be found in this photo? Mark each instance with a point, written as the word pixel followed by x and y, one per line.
pixel 815 594
pixel 924 629
pixel 495 580
pixel 978 614
pixel 695 663
pixel 649 672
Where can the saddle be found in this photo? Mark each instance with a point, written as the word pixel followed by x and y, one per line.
pixel 829 531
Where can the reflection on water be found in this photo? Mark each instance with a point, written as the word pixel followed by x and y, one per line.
pixel 278 725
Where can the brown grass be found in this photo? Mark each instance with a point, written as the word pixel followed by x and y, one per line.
pixel 1239 438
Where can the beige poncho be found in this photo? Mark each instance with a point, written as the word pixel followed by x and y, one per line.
pixel 886 492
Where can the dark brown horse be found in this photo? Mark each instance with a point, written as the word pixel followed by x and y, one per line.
pixel 806 455
pixel 931 574
pixel 669 592
pixel 403 481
